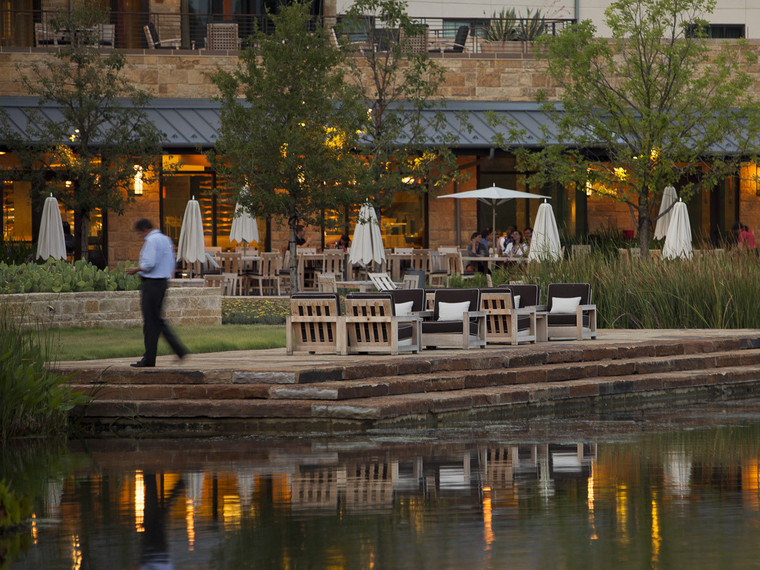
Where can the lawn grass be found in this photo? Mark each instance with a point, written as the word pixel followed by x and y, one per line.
pixel 89 344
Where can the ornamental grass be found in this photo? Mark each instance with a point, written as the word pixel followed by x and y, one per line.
pixel 712 291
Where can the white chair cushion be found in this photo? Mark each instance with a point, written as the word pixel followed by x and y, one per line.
pixel 403 309
pixel 517 301
pixel 452 311
pixel 565 305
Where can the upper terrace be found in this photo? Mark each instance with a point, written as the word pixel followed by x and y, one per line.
pixel 191 31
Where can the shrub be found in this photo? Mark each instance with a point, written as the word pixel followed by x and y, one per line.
pixel 251 310
pixel 56 276
pixel 33 400
pixel 712 291
pixel 12 251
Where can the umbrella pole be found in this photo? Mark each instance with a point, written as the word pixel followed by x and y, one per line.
pixel 493 226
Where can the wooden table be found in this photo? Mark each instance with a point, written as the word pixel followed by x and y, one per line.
pixel 362 286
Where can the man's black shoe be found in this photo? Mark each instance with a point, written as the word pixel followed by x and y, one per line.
pixel 141 364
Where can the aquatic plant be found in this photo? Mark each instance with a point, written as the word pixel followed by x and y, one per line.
pixel 33 400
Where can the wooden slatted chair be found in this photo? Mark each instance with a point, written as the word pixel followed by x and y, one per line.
pixel 327 283
pixel 571 313
pixel 315 324
pixel 267 274
pixel 504 322
pixel 372 325
pixel 382 281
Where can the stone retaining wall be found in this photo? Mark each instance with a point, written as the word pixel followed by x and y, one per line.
pixel 115 309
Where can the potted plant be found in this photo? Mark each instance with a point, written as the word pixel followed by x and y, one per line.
pixel 503 33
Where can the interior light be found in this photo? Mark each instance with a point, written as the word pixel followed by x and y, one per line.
pixel 138 182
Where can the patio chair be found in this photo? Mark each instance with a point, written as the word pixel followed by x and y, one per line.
pixel 230 284
pixel 44 35
pixel 457 320
pixel 570 312
pixel 326 283
pixel 505 323
pixel 267 274
pixel 456 46
pixel 221 35
pixel 152 38
pixel 107 35
pixel 315 324
pixel 372 325
pixel 402 298
pixel 382 281
pixel 527 295
pixel 213 280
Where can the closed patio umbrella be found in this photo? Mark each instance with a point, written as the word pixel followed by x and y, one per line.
pixel 545 244
pixel 244 229
pixel 191 246
pixel 669 197
pixel 493 196
pixel 50 241
pixel 367 242
pixel 678 238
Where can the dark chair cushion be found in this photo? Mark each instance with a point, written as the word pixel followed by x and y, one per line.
pixel 416 296
pixel 529 294
pixel 437 327
pixel 457 296
pixel 569 290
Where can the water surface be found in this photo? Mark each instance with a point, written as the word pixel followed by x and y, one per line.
pixel 663 489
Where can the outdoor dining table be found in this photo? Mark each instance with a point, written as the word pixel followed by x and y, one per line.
pixel 362 286
pixel 395 262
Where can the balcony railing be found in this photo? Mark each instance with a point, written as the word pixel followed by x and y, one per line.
pixel 27 28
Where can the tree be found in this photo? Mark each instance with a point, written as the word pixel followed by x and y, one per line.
pixel 648 107
pixel 405 143
pixel 291 139
pixel 98 131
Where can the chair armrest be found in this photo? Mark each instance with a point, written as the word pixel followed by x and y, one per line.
pixel 587 307
pixel 425 314
pixel 540 308
pixel 523 311
pixel 411 318
pixel 473 314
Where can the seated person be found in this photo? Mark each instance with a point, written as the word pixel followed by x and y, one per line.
pixel 301 239
pixel 342 243
pixel 516 248
pixel 476 248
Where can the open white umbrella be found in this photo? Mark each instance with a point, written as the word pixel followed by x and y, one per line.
pixel 678 238
pixel 191 246
pixel 244 229
pixel 545 244
pixel 367 242
pixel 669 198
pixel 494 196
pixel 50 241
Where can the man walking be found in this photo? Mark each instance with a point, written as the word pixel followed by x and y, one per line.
pixel 156 266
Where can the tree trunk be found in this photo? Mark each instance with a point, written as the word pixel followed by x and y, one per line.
pixel 293 222
pixel 81 235
pixel 644 225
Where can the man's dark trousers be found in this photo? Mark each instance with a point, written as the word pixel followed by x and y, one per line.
pixel 152 292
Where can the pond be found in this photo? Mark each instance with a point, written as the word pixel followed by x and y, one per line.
pixel 661 488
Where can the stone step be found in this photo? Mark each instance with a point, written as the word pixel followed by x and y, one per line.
pixel 419 383
pixel 420 404
pixel 428 362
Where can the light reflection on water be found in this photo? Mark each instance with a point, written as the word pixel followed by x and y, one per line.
pixel 650 490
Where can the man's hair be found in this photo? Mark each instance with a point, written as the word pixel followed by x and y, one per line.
pixel 474 235
pixel 143 224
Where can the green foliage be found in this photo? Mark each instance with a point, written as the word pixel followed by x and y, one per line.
pixel 33 400
pixel 13 251
pixel 644 109
pixel 14 510
pixel 402 148
pixel 477 280
pixel 532 26
pixel 99 132
pixel 503 27
pixel 289 124
pixel 250 310
pixel 711 291
pixel 57 276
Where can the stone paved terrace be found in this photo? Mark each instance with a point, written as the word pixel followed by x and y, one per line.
pixel 267 390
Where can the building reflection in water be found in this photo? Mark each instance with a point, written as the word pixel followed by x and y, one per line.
pixel 612 494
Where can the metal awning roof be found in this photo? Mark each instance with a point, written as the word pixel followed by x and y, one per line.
pixel 192 123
